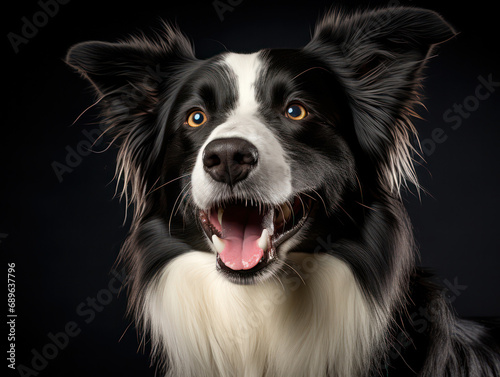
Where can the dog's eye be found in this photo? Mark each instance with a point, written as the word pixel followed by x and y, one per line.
pixel 196 118
pixel 296 111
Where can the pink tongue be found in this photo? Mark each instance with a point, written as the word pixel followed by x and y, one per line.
pixel 241 228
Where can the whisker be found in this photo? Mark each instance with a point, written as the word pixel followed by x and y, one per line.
pixel 121 337
pixel 294 270
pixel 309 196
pixel 274 275
pixel 185 208
pixel 282 213
pixel 360 187
pixel 364 205
pixel 87 109
pixel 173 208
pixel 173 180
pixel 181 201
pixel 343 210
pixel 303 205
pixel 109 145
pixel 321 198
pixel 309 69
pixel 154 184
pixel 290 205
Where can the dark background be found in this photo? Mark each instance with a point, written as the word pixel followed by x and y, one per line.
pixel 64 236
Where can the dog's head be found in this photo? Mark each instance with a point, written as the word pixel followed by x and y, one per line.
pixel 240 154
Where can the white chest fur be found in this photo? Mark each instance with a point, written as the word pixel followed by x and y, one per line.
pixel 287 327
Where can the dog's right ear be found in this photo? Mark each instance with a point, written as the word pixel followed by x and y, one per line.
pixel 134 79
pixel 131 69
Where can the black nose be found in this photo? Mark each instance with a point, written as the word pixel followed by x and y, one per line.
pixel 229 160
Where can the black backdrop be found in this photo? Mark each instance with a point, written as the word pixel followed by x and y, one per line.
pixel 64 233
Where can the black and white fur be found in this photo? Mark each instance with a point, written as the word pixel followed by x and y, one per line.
pixel 339 297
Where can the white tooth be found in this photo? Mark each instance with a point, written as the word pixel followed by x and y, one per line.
pixel 263 240
pixel 219 215
pixel 218 243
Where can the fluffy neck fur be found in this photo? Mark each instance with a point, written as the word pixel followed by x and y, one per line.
pixel 318 324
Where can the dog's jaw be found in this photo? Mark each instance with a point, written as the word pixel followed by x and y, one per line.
pixel 251 241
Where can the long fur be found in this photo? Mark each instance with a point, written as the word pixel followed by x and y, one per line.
pixel 274 335
pixel 345 297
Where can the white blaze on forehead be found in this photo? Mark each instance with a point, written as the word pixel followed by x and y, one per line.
pixel 270 180
pixel 246 68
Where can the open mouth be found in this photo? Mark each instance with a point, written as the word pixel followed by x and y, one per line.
pixel 247 234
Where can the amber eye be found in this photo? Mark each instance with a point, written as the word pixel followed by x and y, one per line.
pixel 296 111
pixel 196 118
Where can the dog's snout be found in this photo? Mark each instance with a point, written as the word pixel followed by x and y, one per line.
pixel 229 160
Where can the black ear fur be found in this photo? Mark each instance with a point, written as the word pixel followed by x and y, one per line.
pixel 132 77
pixel 378 56
pixel 134 65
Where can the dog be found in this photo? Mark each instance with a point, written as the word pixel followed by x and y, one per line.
pixel 268 236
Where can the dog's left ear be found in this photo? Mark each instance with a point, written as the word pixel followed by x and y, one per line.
pixel 378 56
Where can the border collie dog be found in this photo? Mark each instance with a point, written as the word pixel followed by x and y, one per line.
pixel 268 236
